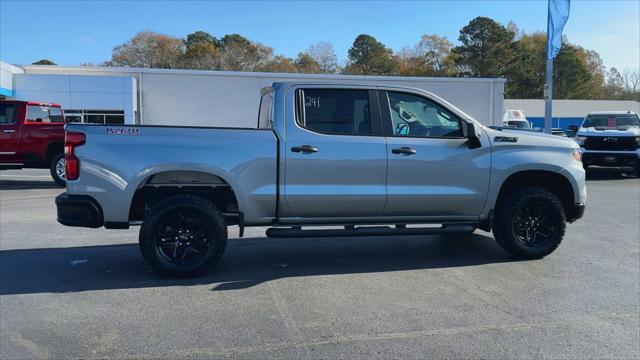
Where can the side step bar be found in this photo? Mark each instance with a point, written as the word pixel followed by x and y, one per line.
pixel 350 230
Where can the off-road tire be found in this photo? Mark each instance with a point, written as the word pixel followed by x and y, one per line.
pixel 166 212
pixel 507 211
pixel 54 171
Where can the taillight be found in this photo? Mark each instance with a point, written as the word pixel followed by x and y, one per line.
pixel 72 163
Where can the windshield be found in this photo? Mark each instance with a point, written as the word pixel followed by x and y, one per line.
pixel 611 121
pixel 518 124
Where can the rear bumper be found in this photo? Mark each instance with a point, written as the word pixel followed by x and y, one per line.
pixel 575 212
pixel 79 210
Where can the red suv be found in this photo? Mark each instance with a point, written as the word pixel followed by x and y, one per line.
pixel 32 136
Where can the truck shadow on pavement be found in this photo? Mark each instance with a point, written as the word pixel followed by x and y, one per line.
pixel 601 173
pixel 27 185
pixel 247 262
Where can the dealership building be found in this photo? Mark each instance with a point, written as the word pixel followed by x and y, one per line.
pixel 116 95
pixel 203 98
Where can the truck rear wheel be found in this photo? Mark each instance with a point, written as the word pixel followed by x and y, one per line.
pixel 183 235
pixel 530 223
pixel 57 167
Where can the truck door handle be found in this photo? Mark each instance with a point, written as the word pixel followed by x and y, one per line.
pixel 305 149
pixel 9 131
pixel 404 151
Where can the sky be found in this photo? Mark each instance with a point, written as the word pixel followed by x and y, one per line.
pixel 77 32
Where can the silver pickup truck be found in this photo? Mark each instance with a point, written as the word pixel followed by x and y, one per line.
pixel 347 160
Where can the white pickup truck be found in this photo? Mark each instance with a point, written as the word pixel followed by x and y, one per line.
pixel 368 159
pixel 611 139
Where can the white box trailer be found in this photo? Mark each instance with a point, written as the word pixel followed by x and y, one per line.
pixel 230 99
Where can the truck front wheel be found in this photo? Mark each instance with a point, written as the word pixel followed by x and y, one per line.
pixel 183 235
pixel 530 223
pixel 58 170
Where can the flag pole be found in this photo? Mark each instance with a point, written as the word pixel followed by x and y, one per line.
pixel 548 85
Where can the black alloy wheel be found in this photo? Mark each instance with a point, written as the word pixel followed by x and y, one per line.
pixel 183 235
pixel 533 224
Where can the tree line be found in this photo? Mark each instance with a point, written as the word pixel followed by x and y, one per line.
pixel 486 49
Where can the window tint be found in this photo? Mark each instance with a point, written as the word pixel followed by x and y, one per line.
pixel 335 111
pixel 266 111
pixel 412 115
pixel 36 113
pixel 7 114
pixel 55 114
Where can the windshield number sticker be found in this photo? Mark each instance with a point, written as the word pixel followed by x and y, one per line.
pixel 312 101
pixel 123 131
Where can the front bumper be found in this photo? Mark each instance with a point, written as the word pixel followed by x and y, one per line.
pixel 611 158
pixel 575 212
pixel 79 210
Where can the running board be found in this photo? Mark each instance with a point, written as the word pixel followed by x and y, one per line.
pixel 350 230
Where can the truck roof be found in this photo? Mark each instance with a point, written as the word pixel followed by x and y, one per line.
pixel 357 84
pixel 616 112
pixel 29 103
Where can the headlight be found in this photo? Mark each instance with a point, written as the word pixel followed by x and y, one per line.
pixel 580 140
pixel 577 154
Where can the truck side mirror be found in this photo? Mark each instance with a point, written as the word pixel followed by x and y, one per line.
pixel 574 127
pixel 473 136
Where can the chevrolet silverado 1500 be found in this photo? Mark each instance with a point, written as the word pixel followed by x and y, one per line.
pixel 369 160
pixel 610 138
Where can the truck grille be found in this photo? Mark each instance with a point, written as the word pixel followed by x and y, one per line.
pixel 614 143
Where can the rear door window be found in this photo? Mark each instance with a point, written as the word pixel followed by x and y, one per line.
pixel 36 113
pixel 7 114
pixel 334 111
pixel 55 114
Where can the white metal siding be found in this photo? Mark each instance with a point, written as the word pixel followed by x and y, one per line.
pixel 569 108
pixel 233 101
pixel 220 98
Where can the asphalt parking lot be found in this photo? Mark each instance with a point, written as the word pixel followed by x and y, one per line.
pixel 71 292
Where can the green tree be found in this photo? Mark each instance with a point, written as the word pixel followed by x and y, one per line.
pixel 577 73
pixel 527 76
pixel 201 51
pixel 368 56
pixel 279 63
pixel 487 49
pixel 571 77
pixel 149 49
pixel 201 37
pixel 306 64
pixel 44 62
pixel 238 53
pixel 429 57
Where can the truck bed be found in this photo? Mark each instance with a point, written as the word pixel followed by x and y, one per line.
pixel 115 161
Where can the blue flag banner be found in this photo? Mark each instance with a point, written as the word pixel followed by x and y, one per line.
pixel 558 16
